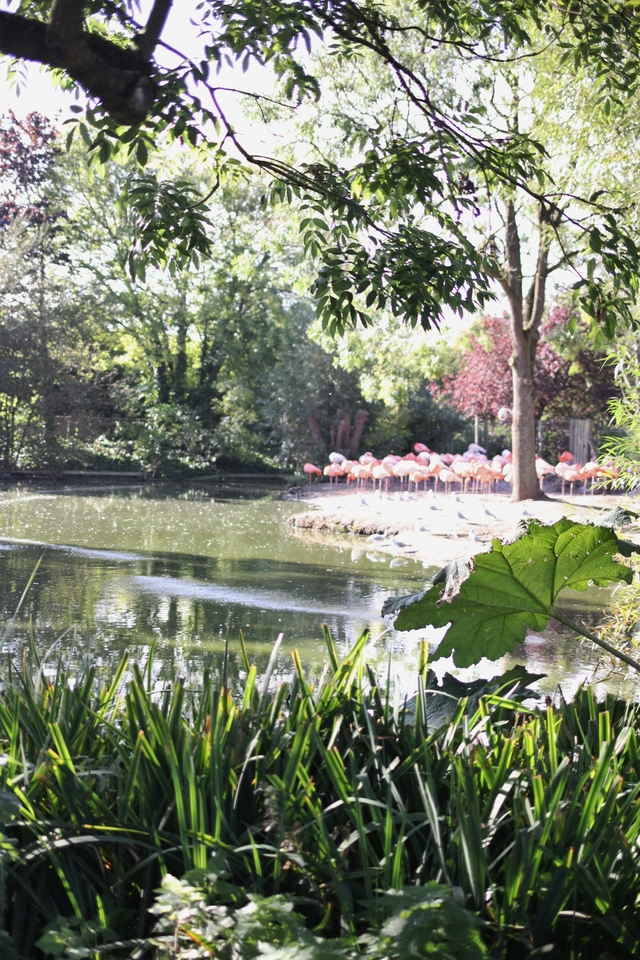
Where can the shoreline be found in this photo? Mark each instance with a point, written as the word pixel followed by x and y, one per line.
pixel 433 528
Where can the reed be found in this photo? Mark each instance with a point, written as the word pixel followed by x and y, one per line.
pixel 331 793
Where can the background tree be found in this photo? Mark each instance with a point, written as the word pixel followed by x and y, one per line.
pixel 202 366
pixel 569 379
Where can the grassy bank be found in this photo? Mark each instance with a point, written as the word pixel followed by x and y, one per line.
pixel 330 795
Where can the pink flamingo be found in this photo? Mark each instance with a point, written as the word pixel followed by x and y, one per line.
pixel 333 471
pixel 310 469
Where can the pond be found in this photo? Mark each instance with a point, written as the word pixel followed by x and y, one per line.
pixel 186 567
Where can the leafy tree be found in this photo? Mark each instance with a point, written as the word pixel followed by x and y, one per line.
pixel 27 154
pixel 209 363
pixel 392 362
pixel 43 360
pixel 570 381
pixel 370 243
pixel 388 222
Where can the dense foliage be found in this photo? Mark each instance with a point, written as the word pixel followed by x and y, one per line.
pixel 327 794
pixel 199 369
pixel 452 136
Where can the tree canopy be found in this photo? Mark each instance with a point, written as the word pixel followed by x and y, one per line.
pixel 384 226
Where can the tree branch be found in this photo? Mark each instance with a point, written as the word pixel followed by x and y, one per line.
pixel 120 78
pixel 536 296
pixel 147 39
pixel 512 284
pixel 23 38
pixel 66 21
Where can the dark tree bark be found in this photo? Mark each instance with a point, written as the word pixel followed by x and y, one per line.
pixel 119 77
pixel 526 317
pixel 315 429
pixel 344 431
pixel 359 422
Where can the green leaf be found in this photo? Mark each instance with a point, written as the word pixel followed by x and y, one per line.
pixel 490 601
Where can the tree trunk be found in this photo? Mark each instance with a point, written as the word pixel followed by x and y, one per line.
pixel 359 423
pixel 180 365
pixel 526 485
pixel 526 316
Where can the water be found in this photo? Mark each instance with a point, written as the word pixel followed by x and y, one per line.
pixel 189 566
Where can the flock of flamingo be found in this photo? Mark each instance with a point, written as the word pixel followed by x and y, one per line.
pixel 471 471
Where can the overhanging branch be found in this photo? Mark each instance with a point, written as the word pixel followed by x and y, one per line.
pixel 147 40
pixel 120 78
pixel 66 21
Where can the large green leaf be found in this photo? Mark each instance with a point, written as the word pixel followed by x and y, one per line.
pixel 491 600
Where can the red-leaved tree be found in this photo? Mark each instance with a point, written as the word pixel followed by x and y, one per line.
pixel 579 386
pixel 27 154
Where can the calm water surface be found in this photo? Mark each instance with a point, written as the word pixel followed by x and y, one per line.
pixel 189 566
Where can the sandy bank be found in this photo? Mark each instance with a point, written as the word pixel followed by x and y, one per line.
pixel 435 528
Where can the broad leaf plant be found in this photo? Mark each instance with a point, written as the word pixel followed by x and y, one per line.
pixel 489 602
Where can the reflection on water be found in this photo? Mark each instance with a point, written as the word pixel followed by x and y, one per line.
pixel 190 566
pixel 187 568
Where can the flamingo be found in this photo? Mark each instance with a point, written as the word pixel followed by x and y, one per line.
pixel 363 472
pixel 333 470
pixel 448 477
pixel 310 469
pixel 543 469
pixel 589 472
pixel 485 476
pixel 382 472
pixel 402 469
pixel 419 476
pixel 561 469
pixel 464 470
pixel 571 474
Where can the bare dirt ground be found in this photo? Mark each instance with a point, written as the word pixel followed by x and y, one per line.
pixel 436 528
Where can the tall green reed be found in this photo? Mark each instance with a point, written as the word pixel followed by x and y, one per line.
pixel 326 792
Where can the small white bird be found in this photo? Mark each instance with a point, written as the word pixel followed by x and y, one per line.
pixel 423 529
pixel 525 512
pixel 461 515
pixel 400 543
pixel 488 512
pixel 375 558
pixel 376 536
pixel 398 562
pixel 364 501
pixel 474 537
pixel 433 507
pixel 454 496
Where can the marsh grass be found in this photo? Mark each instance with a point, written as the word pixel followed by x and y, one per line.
pixel 331 793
